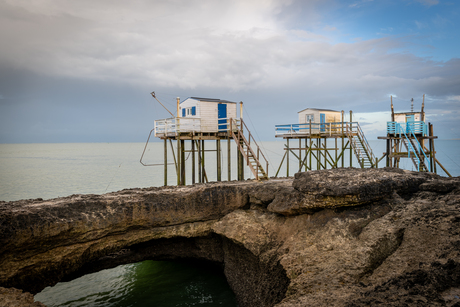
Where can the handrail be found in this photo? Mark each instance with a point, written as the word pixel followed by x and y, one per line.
pixel 258 148
pixel 363 140
pixel 399 130
pixel 366 143
pixel 177 125
pixel 306 128
pixel 239 125
pixel 417 127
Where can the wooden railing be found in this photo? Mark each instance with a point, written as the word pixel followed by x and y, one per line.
pixel 245 144
pixel 175 125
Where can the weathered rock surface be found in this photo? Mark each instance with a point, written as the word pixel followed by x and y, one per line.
pixel 343 237
pixel 12 297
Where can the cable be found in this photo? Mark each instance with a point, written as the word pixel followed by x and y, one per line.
pixel 448 157
pixel 261 143
pixel 112 178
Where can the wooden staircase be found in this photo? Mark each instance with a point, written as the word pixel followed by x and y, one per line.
pixel 416 157
pixel 361 147
pixel 252 157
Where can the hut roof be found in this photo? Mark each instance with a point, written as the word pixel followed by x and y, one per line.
pixel 210 99
pixel 314 109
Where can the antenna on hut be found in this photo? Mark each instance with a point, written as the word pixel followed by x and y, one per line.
pixel 153 95
pixel 412 105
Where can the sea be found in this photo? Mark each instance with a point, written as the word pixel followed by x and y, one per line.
pixel 29 171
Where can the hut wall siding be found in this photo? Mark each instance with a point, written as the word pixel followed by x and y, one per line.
pixel 208 116
pixel 331 116
pixel 401 117
pixel 207 112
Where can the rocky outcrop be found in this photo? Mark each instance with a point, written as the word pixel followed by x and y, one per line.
pixel 342 237
pixel 12 297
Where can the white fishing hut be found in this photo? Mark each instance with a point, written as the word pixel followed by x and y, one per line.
pixel 319 116
pixel 208 119
pixel 316 131
pixel 211 113
pixel 408 136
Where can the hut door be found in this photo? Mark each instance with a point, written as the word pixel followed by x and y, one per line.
pixel 409 123
pixel 222 116
pixel 322 121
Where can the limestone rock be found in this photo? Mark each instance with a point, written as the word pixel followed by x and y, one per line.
pixel 342 237
pixel 11 297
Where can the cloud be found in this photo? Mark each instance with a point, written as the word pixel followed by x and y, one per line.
pixel 265 51
pixel 428 2
pixel 359 3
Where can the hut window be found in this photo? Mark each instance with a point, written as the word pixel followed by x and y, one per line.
pixel 309 117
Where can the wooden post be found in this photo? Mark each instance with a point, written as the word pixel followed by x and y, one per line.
pixel 200 177
pixel 178 170
pixel 202 160
pixel 179 149
pixel 182 163
pixel 309 158
pixel 388 159
pixel 336 148
pixel 241 162
pixel 178 106
pixel 300 153
pixel 306 153
pixel 343 141
pixel 229 163
pixel 351 146
pixel 433 150
pixel 219 170
pixel 325 152
pixel 318 154
pixel 423 120
pixel 193 160
pixel 165 162
pixel 392 110
pixel 287 159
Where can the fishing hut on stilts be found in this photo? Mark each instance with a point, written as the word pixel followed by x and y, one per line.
pixel 323 137
pixel 199 120
pixel 408 136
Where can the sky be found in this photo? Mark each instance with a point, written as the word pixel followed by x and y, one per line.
pixel 83 71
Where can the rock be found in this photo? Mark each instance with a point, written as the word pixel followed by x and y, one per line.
pixel 342 237
pixel 11 297
pixel 316 190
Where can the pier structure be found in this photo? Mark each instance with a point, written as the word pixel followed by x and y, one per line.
pixel 409 136
pixel 199 121
pixel 322 138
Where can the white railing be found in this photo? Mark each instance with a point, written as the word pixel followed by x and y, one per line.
pixel 308 128
pixel 175 125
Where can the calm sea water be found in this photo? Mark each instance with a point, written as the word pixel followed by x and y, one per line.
pixel 53 170
pixel 148 283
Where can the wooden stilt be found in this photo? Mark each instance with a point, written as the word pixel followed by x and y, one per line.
pixel 165 162
pixel 182 163
pixel 351 147
pixel 200 177
pixel 229 161
pixel 219 166
pixel 192 144
pixel 287 159
pixel 300 154
pixel 202 161
pixel 178 170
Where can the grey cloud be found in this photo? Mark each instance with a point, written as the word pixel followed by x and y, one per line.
pixel 236 50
